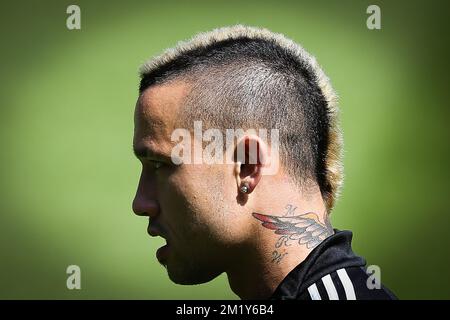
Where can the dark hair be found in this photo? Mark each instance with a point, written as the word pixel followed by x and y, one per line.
pixel 249 82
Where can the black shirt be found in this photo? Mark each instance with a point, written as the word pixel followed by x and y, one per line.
pixel 331 272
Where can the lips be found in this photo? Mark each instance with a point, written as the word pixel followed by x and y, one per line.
pixel 151 230
pixel 161 253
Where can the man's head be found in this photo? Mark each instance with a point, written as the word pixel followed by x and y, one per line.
pixel 230 78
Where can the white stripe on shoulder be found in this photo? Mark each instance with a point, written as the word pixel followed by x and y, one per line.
pixel 314 293
pixel 329 286
pixel 347 283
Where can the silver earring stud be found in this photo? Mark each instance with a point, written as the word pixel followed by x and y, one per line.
pixel 244 189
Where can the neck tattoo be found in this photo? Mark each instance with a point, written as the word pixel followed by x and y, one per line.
pixel 304 229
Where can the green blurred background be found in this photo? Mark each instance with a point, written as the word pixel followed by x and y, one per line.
pixel 68 176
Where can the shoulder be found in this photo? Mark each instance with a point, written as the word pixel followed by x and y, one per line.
pixel 352 283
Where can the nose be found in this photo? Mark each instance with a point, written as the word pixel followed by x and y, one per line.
pixel 145 207
pixel 145 203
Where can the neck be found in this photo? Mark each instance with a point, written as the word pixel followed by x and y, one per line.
pixel 281 239
pixel 257 276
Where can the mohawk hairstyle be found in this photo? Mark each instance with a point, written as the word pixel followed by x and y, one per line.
pixel 245 77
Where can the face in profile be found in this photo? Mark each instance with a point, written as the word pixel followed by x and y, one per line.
pixel 188 204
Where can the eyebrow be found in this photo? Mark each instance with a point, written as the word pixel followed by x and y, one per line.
pixel 147 153
pixel 143 152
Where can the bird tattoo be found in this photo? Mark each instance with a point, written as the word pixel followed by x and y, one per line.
pixel 304 229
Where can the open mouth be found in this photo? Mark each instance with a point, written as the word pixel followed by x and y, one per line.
pixel 161 253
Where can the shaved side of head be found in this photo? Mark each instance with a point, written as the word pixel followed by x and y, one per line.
pixel 245 77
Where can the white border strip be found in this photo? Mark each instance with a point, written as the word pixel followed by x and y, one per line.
pixel 314 293
pixel 329 286
pixel 347 283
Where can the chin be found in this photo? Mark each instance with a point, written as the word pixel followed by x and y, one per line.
pixel 190 275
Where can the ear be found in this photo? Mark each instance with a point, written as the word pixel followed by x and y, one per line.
pixel 250 156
